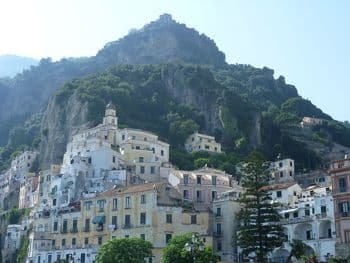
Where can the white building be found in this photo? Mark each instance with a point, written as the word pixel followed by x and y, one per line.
pixel 282 171
pixel 310 219
pixel 13 237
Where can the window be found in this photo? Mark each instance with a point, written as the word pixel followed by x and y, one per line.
pixel 219 246
pixel 143 199
pixel 63 242
pixel 74 241
pixel 49 258
pixel 114 221
pixel 123 137
pixel 199 179
pixel 199 196
pixel 101 205
pixel 279 193
pixel 167 238
pixel 193 219
pixel 75 226
pixel 65 226
pixel 169 218
pixel 323 209
pixel 153 169
pixel 54 201
pixel 87 205
pixel 87 225
pixel 127 221
pixel 295 214
pixel 307 212
pixel 308 235
pixel 185 179
pixel 143 236
pixel 218 211
pixel 213 195
pixel 206 147
pixel 290 173
pixel 218 229
pixel 115 204
pixel 281 174
pixel 186 194
pixel 142 169
pixel 161 152
pixel 213 180
pixel 347 236
pixel 342 185
pixel 99 240
pixel 127 202
pixel 291 164
pixel 143 218
pixel 53 243
pixel 280 164
pixel 343 208
pixel 55 226
pixel 86 241
pixel 141 159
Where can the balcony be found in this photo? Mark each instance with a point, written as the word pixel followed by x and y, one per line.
pixel 86 229
pixel 64 231
pixel 99 228
pixel 218 233
pixel 127 226
pixel 74 230
pixel 296 220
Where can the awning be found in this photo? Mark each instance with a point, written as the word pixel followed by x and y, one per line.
pixel 288 210
pixel 99 220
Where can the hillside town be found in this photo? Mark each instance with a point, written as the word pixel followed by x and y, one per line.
pixel 118 183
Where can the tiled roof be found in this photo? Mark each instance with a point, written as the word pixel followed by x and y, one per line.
pixel 132 189
pixel 278 186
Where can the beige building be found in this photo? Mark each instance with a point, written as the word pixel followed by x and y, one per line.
pixel 282 171
pixel 310 121
pixel 225 208
pixel 28 193
pixel 201 186
pixel 154 212
pixel 202 142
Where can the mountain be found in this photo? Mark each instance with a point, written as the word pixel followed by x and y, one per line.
pixel 171 80
pixel 10 65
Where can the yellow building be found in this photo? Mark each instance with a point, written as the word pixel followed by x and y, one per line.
pixel 153 211
pixel 202 142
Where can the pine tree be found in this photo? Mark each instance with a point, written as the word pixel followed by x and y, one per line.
pixel 259 229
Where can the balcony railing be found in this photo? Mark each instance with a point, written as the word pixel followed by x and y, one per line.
pixel 218 233
pixel 99 228
pixel 127 226
pixel 296 220
pixel 74 230
pixel 86 229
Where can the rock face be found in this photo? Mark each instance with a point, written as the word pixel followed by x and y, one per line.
pixel 162 41
pixel 58 126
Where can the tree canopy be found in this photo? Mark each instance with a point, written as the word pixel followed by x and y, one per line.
pixel 175 251
pixel 259 230
pixel 124 250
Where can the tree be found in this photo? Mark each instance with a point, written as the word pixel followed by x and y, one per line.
pixel 175 251
pixel 259 229
pixel 124 250
pixel 298 250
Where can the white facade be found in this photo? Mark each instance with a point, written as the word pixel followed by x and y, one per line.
pixel 310 219
pixel 282 171
pixel 202 142
pixel 13 237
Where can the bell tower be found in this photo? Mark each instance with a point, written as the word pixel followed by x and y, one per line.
pixel 110 117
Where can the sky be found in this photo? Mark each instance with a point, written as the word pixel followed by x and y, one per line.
pixel 306 41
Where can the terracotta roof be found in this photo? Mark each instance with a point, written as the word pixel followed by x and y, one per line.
pixel 278 186
pixel 131 189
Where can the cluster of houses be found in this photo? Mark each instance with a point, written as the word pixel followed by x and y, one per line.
pixel 116 183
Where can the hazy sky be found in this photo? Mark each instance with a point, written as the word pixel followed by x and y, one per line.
pixel 307 41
